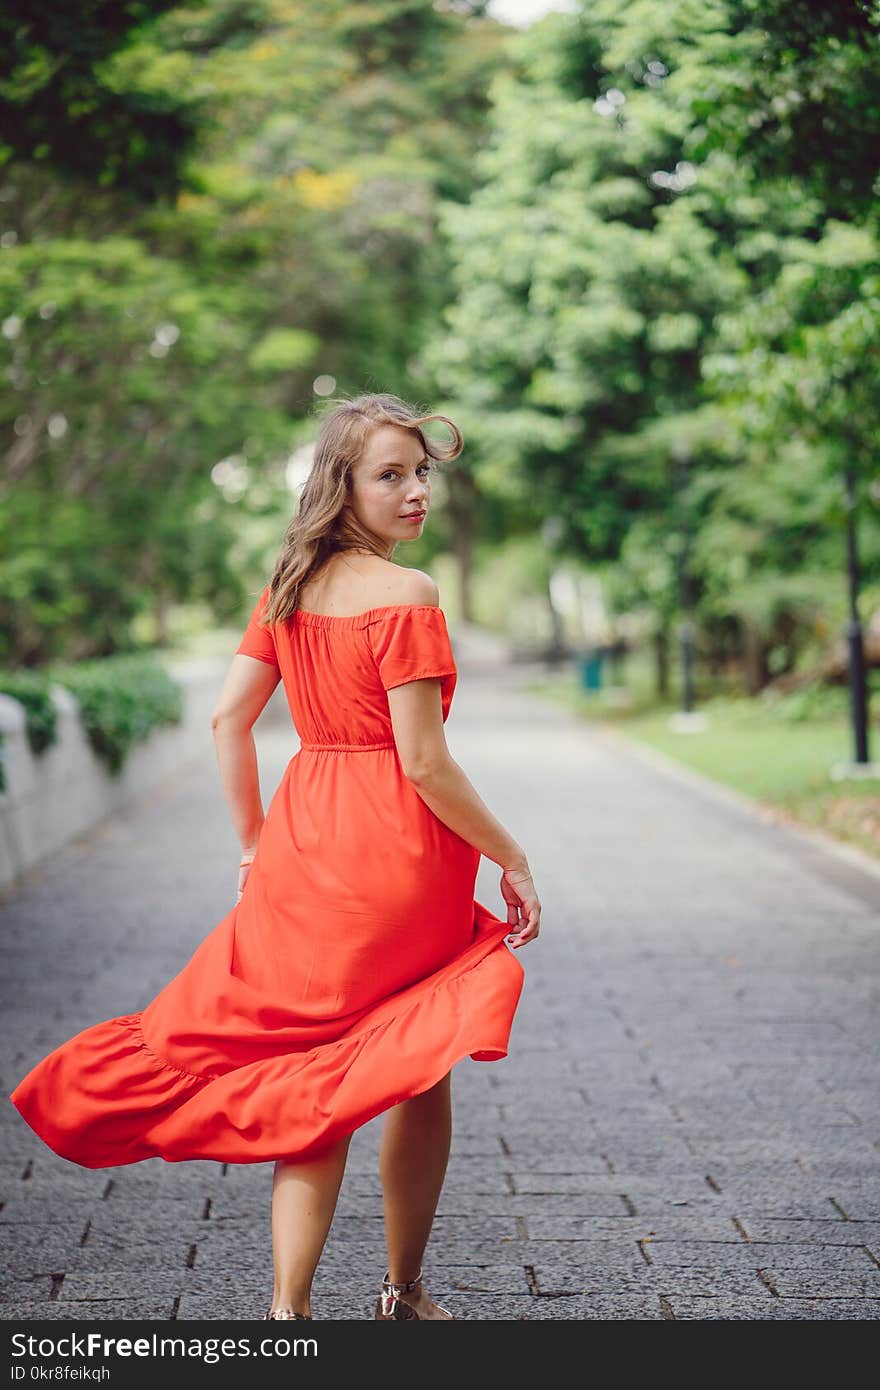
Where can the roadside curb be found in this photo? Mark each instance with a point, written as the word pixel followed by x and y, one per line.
pixel 767 815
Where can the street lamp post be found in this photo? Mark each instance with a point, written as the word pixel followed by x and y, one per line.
pixel 858 683
pixel 858 686
pixel 552 530
pixel 686 720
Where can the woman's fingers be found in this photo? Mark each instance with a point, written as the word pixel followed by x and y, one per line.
pixel 523 909
pixel 243 871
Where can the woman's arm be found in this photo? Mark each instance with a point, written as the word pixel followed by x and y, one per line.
pixel 239 773
pixel 417 721
pixel 246 690
pixel 454 800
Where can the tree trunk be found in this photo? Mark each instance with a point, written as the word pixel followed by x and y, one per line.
pixel 661 662
pixel 462 500
pixel 557 628
pixel 755 657
pixel 161 610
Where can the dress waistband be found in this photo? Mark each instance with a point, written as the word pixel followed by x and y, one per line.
pixel 346 747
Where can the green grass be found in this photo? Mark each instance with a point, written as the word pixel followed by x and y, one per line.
pixel 777 751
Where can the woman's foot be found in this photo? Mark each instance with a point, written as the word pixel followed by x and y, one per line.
pixel 408 1301
pixel 290 1307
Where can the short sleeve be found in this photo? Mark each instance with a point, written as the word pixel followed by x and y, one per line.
pixel 410 644
pixel 258 641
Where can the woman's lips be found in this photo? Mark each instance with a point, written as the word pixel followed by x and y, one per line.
pixel 414 516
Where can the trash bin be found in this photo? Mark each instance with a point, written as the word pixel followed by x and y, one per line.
pixel 591 670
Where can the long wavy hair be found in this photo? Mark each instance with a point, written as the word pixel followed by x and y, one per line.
pixel 325 525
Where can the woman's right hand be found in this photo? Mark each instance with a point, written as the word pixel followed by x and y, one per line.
pixel 523 907
pixel 244 869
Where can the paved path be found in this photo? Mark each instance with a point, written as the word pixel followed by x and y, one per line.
pixel 687 1124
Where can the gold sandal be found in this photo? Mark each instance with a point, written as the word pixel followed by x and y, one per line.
pixel 287 1313
pixel 391 1307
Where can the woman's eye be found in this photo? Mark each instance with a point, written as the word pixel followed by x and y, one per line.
pixel 423 468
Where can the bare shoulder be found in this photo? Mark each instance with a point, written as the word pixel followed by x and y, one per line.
pixel 416 587
pixel 392 584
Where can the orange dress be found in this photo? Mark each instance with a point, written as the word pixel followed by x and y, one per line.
pixel 357 968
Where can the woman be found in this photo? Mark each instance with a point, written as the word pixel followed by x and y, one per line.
pixel 356 968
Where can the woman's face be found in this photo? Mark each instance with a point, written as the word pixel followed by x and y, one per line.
pixel 391 482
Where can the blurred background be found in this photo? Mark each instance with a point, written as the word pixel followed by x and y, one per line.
pixel 631 248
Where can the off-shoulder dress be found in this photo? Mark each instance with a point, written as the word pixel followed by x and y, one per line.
pixel 357 968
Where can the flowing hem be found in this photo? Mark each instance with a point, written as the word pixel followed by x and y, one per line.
pixel 106 1098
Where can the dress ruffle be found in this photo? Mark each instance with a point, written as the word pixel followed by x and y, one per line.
pixel 105 1098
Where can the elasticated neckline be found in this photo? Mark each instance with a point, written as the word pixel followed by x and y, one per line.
pixel 370 615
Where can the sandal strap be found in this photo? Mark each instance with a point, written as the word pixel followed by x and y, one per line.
pixel 401 1288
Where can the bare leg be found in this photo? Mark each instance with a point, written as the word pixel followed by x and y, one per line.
pixel 412 1162
pixel 304 1197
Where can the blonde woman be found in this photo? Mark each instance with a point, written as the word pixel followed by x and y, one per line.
pixel 355 968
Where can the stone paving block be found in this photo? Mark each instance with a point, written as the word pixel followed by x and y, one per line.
pixel 15 1147
pixel 17 1285
pixel 69 1184
pixel 859 1205
pixel 683 1253
pixel 530 1113
pixel 709 1228
pixel 552 1183
pixel 833 1232
pixel 165 1253
pixel 792 1283
pixel 125 1285
pixel 775 1309
pixel 220 1307
pixel 41 1248
pixel 663 1157
pixel 100 1310
pixel 830 1260
pixel 174 1211
pixel 639 1116
pixel 476 1227
pixel 442 1249
pixel 250 1283
pixel 544 1065
pixel 479 1145
pixel 603 1254
pixel 121 1228
pixel 648 1205
pixel 778 1204
pixel 22 1209
pixel 155 1178
pixel 715 1279
pixel 254 1206
pixel 498 1278
pixel 860 1102
pixel 579 1133
pixel 825 1257
pixel 604 1203
pixel 549 1158
pixel 575 1308
pixel 239 1245
pixel 745 1152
